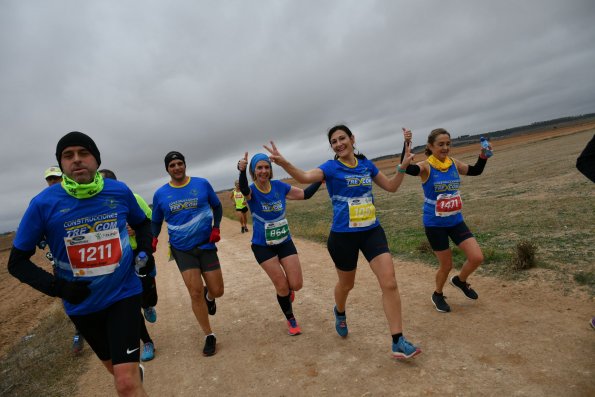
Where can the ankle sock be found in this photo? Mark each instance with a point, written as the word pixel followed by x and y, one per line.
pixel 396 337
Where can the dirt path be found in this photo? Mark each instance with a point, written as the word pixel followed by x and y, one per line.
pixel 518 339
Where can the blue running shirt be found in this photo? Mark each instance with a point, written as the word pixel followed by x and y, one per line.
pixel 439 182
pixel 88 239
pixel 268 214
pixel 187 211
pixel 350 190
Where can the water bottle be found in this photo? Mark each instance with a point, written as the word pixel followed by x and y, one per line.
pixel 485 144
pixel 140 261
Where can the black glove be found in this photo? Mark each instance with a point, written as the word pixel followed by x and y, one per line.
pixel 149 267
pixel 72 291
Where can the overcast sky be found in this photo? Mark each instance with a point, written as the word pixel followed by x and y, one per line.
pixel 213 79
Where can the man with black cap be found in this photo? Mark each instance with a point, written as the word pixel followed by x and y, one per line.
pixel 84 221
pixel 193 214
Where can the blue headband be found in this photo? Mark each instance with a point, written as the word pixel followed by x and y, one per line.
pixel 256 158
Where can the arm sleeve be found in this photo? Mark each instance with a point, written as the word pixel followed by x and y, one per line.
pixel 585 163
pixel 244 188
pixel 311 190
pixel 413 169
pixel 155 228
pixel 403 152
pixel 21 267
pixel 477 169
pixel 217 215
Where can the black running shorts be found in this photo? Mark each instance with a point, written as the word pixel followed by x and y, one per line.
pixel 114 332
pixel 344 247
pixel 264 253
pixel 438 236
pixel 196 258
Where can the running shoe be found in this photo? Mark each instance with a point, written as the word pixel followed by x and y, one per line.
pixel 78 342
pixel 210 345
pixel 440 303
pixel 246 229
pixel 291 295
pixel 404 349
pixel 340 323
pixel 211 305
pixel 141 368
pixel 148 352
pixel 464 287
pixel 593 322
pixel 150 314
pixel 294 328
pixel 243 231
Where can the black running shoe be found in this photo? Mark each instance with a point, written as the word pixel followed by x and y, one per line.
pixel 440 303
pixel 211 305
pixel 210 346
pixel 464 287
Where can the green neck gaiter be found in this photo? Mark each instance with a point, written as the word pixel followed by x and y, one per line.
pixel 80 190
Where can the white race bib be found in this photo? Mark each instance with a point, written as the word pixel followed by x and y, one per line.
pixel 276 232
pixel 94 254
pixel 448 204
pixel 362 212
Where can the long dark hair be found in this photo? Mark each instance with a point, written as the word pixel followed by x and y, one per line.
pixel 344 128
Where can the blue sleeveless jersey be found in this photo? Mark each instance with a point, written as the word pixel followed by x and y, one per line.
pixel 187 211
pixel 344 183
pixel 437 183
pixel 267 207
pixel 58 216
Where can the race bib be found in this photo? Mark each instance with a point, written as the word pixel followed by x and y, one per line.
pixel 362 212
pixel 276 232
pixel 94 254
pixel 448 204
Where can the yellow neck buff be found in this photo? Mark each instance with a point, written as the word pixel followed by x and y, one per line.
pixel 440 165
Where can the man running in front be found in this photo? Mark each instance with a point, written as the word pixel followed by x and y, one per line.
pixel 84 220
pixel 193 214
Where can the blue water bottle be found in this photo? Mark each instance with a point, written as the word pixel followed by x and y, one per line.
pixel 485 145
pixel 140 262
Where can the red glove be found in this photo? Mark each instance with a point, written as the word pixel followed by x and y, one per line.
pixel 154 244
pixel 215 235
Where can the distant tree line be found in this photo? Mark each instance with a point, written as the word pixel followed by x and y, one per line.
pixel 520 130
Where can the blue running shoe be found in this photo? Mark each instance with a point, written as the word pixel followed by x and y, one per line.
pixel 148 352
pixel 150 314
pixel 78 342
pixel 340 323
pixel 404 349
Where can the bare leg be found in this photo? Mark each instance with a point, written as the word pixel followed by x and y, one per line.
pixel 383 268
pixel 194 285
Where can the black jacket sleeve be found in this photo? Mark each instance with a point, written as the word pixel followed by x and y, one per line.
pixel 585 163
pixel 244 188
pixel 21 267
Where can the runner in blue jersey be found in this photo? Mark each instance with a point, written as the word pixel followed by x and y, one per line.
pixel 193 214
pixel 53 175
pixel 442 217
pixel 271 241
pixel 349 180
pixel 84 220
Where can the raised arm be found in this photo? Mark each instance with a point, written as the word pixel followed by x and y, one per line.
pixel 393 183
pixel 475 169
pixel 311 176
pixel 243 179
pixel 297 193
